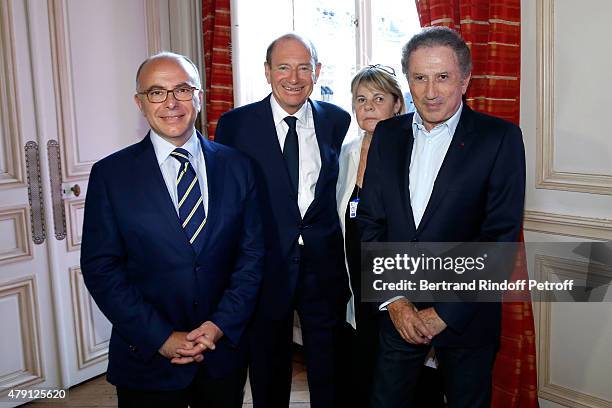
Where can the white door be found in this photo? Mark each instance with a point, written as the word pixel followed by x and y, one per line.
pixel 67 72
pixel 27 339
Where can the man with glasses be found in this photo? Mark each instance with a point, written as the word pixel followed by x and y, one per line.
pixel 295 143
pixel 172 250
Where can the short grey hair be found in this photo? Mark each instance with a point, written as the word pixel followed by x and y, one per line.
pixel 293 36
pixel 439 36
pixel 170 55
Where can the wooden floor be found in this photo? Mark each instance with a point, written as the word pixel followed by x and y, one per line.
pixel 97 392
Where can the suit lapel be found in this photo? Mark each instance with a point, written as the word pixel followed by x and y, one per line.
pixel 215 174
pixel 323 132
pixel 267 137
pixel 451 166
pixel 270 147
pixel 154 187
pixel 409 140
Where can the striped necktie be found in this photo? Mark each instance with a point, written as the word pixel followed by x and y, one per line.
pixel 190 201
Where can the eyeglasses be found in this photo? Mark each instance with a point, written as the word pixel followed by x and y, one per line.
pixel 182 93
pixel 385 68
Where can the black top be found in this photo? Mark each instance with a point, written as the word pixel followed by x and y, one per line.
pixel 353 248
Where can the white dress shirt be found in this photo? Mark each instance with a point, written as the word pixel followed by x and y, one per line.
pixel 428 152
pixel 169 166
pixel 310 156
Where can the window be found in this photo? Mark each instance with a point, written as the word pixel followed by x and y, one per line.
pixel 331 26
pixel 348 34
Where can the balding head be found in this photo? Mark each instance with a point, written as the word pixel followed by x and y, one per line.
pixel 185 62
pixel 169 96
pixel 293 37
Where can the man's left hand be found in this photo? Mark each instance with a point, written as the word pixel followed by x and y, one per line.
pixel 204 338
pixel 429 316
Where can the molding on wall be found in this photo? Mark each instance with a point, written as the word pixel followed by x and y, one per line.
pixel 73 168
pixel 32 373
pixel 568 225
pixel 23 250
pixel 547 177
pixel 12 175
pixel 564 269
pixel 88 351
pixel 74 230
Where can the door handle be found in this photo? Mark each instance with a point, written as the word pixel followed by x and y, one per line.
pixel 76 190
pixel 35 193
pixel 69 190
pixel 57 201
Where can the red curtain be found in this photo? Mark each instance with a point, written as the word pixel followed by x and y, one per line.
pixel 216 26
pixel 492 30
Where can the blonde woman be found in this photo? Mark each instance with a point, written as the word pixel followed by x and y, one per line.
pixel 376 96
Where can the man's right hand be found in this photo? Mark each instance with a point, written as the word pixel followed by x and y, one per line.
pixel 407 322
pixel 178 340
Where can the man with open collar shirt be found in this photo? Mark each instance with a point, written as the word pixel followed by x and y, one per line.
pixel 442 174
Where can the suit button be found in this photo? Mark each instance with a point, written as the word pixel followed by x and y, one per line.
pixel 414 240
pixel 195 303
pixel 295 260
pixel 198 269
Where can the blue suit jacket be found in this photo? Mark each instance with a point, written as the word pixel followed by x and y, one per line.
pixel 478 195
pixel 145 276
pixel 251 130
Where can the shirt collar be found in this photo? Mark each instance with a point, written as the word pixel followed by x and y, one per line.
pixel 280 114
pixel 451 123
pixel 163 148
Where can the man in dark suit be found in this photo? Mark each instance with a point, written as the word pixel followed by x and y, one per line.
pixel 172 251
pixel 295 144
pixel 442 174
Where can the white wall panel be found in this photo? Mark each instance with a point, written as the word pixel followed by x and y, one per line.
pixel 11 341
pixel 569 183
pixel 11 162
pixel 75 210
pixel 20 349
pixel 92 328
pixel 582 133
pixel 96 78
pixel 573 152
pixel 15 242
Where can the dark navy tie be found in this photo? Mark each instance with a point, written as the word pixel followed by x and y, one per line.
pixel 190 201
pixel 291 151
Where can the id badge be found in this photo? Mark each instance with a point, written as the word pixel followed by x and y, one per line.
pixel 353 207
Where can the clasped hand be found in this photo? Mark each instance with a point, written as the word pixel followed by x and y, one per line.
pixel 185 348
pixel 415 326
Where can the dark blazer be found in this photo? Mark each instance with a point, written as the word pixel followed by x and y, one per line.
pixel 145 276
pixel 478 195
pixel 251 130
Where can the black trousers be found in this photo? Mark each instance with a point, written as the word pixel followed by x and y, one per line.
pixel 270 341
pixel 357 361
pixel 466 372
pixel 204 392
